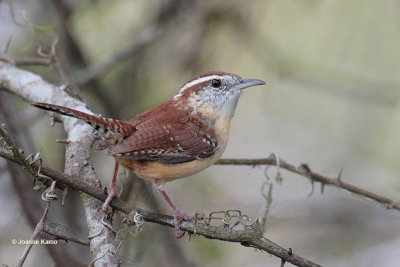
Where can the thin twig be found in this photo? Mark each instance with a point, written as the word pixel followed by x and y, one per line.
pixel 25 61
pixel 49 59
pixel 39 226
pixel 271 160
pixel 38 230
pixel 54 230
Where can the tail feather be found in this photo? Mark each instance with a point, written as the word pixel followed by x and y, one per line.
pixel 102 125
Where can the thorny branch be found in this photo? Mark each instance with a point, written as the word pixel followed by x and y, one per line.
pixel 18 154
pixel 250 236
pixel 305 171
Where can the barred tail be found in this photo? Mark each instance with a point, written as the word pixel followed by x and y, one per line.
pixel 102 125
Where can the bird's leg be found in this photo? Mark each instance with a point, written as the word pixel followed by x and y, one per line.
pixel 179 215
pixel 111 189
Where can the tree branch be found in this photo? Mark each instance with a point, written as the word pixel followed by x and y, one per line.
pixel 305 171
pixel 31 88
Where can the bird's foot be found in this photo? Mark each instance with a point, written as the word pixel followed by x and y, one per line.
pixel 111 194
pixel 180 216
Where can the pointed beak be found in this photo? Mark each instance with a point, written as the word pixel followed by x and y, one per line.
pixel 244 83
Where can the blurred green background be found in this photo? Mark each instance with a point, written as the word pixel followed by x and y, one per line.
pixel 332 100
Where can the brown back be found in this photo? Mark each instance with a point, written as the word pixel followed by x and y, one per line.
pixel 168 134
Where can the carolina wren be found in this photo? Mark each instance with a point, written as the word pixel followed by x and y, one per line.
pixel 178 138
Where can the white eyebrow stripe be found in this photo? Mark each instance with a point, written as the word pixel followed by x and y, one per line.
pixel 199 80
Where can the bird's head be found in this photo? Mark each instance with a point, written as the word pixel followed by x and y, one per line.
pixel 214 93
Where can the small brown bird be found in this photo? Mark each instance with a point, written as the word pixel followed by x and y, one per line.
pixel 178 138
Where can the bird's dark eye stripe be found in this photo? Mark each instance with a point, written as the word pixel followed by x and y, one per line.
pixel 215 83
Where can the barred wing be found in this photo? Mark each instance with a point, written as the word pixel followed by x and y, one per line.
pixel 168 143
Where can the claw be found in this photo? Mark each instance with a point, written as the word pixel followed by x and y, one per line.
pixel 180 216
pixel 111 194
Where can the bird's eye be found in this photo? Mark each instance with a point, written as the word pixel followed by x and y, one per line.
pixel 215 83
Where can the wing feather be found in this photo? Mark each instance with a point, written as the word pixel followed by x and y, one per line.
pixel 169 143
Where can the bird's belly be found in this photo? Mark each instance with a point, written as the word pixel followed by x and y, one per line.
pixel 161 173
pixel 157 170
